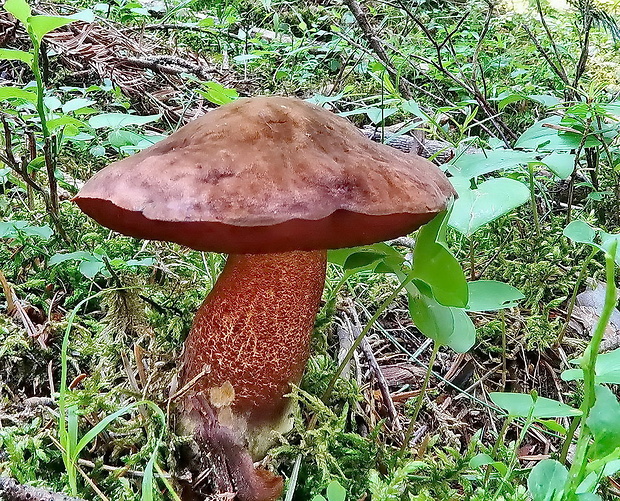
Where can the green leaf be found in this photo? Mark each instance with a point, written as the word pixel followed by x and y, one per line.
pixel 118 120
pixel 61 258
pixel 13 229
pixel 580 231
pixel 561 164
pixel 447 326
pixel 362 259
pixel 477 164
pixel 520 405
pixel 44 232
pixel 545 99
pixel 492 199
pixel 435 265
pixel 14 92
pixel 544 138
pixel 57 123
pixel 90 268
pixel 547 480
pixel 42 25
pixel 77 104
pixel 318 497
pixel 607 240
pixel 604 423
pixel 218 94
pixel 19 8
pixel 491 295
pixel 607 370
pixel 335 491
pixel 119 138
pixel 147 261
pixel 485 460
pixel 16 55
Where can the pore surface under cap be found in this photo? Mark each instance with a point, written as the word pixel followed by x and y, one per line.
pixel 266 163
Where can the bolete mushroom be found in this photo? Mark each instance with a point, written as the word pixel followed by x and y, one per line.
pixel 273 182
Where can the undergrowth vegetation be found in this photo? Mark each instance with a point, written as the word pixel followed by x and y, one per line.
pixel 478 360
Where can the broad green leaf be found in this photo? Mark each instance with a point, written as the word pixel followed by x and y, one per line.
pixel 477 164
pixel 12 229
pixel 545 99
pixel 445 325
pixel 607 370
pixel 57 123
pixel 591 482
pixel 561 164
pixel 607 240
pixel 378 115
pixel 61 258
pixel 391 260
pixel 16 55
pixel 90 268
pixel 118 120
pixel 492 199
pixel 77 104
pixel 336 492
pixel 218 94
pixel 119 138
pixel 547 480
pixel 491 295
pixel 318 497
pixel 520 405
pixel 14 92
pixel 580 231
pixel 544 138
pixel 485 460
pixel 604 423
pixel 147 261
pixel 412 107
pixel 435 265
pixel 44 232
pixel 86 15
pixel 42 25
pixel 362 259
pixel 19 8
pixel 552 425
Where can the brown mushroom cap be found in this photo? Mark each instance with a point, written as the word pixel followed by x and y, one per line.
pixel 267 174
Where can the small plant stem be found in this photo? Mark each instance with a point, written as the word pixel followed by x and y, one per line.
pixel 500 440
pixel 573 297
pixel 588 365
pixel 36 69
pixel 530 167
pixel 358 340
pixel 419 401
pixel 472 259
pixel 514 457
pixel 502 315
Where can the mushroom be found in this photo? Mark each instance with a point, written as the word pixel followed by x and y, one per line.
pixel 273 182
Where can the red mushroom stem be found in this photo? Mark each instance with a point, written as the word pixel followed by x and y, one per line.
pixel 251 339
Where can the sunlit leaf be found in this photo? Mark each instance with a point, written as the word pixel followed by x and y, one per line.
pixel 520 405
pixel 16 55
pixel 491 295
pixel 492 199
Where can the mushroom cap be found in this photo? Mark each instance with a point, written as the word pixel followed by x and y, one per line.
pixel 267 174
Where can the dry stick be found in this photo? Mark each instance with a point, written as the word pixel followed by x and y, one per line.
pixel 372 362
pixel 364 24
pixel 562 72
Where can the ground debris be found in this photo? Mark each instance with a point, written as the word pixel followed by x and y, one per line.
pixel 10 490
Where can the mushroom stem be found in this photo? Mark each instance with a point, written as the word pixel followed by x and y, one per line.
pixel 251 338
